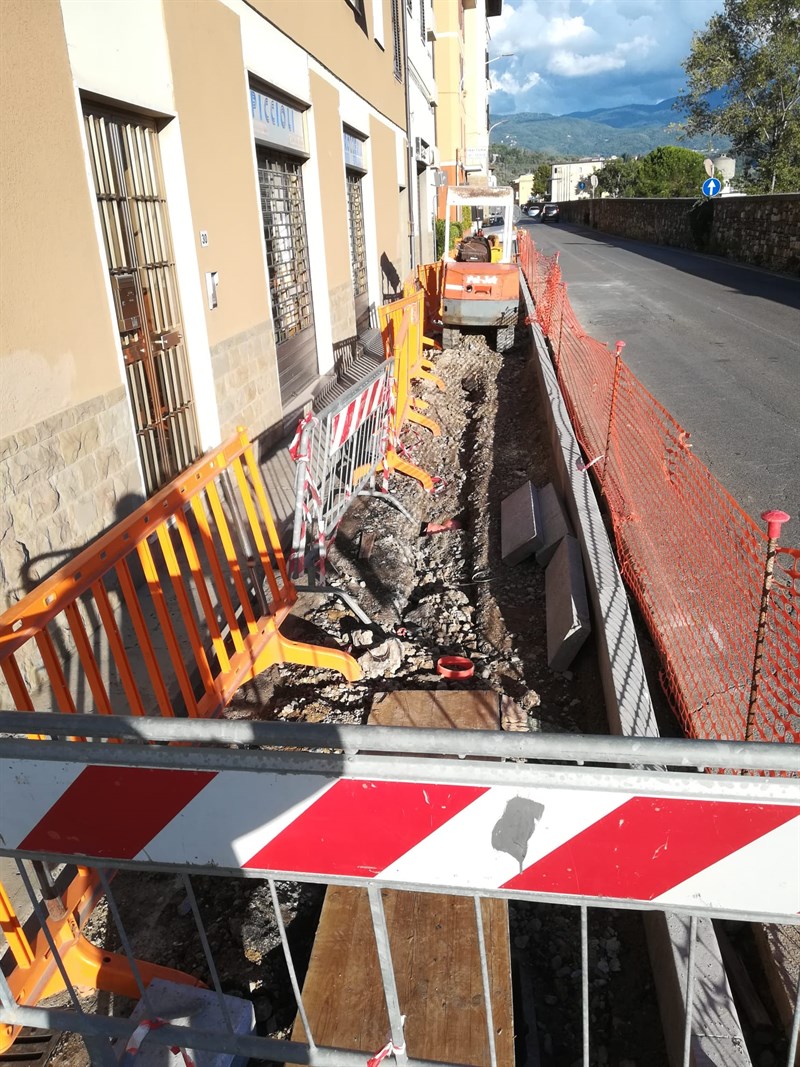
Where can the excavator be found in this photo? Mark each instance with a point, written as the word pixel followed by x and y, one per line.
pixel 477 293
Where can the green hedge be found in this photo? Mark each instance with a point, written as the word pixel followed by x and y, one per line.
pixel 456 229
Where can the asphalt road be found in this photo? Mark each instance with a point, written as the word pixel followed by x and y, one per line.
pixel 718 344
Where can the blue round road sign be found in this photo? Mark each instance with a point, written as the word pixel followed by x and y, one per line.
pixel 711 186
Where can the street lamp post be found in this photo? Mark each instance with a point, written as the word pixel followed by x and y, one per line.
pixel 489 142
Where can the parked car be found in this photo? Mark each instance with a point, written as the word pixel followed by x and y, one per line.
pixel 551 213
pixel 534 211
pixel 494 220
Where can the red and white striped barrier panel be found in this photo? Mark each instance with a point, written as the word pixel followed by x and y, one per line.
pixel 347 421
pixel 337 453
pixel 729 856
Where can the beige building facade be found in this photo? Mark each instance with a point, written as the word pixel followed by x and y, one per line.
pixel 572 181
pixel 200 202
pixel 462 44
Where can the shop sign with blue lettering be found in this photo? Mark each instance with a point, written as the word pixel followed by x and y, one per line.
pixel 277 123
pixel 353 152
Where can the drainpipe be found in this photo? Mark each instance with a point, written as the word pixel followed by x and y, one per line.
pixel 411 168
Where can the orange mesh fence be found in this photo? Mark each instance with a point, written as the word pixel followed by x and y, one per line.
pixel 692 557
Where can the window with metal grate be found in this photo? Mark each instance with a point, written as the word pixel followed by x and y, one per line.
pixel 132 208
pixel 398 56
pixel 358 251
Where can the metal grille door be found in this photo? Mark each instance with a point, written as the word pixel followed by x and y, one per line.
pixel 283 211
pixel 133 216
pixel 358 250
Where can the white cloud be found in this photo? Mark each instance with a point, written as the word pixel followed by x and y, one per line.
pixel 571 65
pixel 561 30
pixel 507 83
pixel 574 55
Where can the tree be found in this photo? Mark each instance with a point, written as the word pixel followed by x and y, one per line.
pixel 669 171
pixel 617 177
pixel 744 82
pixel 511 161
pixel 541 179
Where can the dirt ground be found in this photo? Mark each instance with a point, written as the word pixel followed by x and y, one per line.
pixel 428 595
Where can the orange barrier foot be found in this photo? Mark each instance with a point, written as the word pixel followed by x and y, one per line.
pixel 90 966
pixel 423 420
pixel 418 404
pixel 419 372
pixel 35 975
pixel 431 342
pixel 328 659
pixel 397 463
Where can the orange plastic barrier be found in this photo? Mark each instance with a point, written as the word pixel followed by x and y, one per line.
pixel 171 611
pixel 693 558
pixel 35 974
pixel 401 331
pixel 429 276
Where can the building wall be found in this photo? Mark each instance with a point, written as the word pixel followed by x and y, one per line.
pixel 450 114
pixel 476 89
pixel 566 177
pixel 211 99
pixel 763 230
pixel 68 460
pixel 524 188
pixel 57 350
pixel 67 455
pixel 346 47
pixel 334 224
pixel 391 209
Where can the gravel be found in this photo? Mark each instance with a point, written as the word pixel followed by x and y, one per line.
pixel 445 593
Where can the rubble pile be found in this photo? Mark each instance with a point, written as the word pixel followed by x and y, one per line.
pixel 432 586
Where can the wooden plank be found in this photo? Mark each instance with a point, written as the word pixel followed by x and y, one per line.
pixel 433 939
pixel 437 967
pixel 437 709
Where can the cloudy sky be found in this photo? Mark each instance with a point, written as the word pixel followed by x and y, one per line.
pixel 577 55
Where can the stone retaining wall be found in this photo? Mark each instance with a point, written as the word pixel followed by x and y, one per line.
pixel 246 381
pixel 62 482
pixel 762 230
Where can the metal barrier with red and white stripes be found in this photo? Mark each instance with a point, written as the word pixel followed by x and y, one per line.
pixel 727 844
pixel 595 822
pixel 337 453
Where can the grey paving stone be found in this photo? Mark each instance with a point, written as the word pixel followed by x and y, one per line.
pixel 520 524
pixel 568 623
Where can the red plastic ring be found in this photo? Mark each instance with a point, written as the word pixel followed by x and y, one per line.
pixel 455 667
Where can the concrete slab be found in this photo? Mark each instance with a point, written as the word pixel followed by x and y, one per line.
pixel 716 1030
pixel 183 1005
pixel 520 525
pixel 555 524
pixel 568 623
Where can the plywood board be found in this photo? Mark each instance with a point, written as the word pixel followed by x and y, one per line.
pixel 435 956
pixel 433 939
pixel 443 709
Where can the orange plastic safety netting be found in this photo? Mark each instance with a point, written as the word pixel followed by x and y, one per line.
pixel 692 557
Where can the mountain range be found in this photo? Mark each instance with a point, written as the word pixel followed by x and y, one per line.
pixel 634 129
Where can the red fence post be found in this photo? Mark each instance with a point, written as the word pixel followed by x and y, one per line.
pixel 612 408
pixel 774 521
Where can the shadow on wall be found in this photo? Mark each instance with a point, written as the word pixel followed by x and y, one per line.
pixel 392 284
